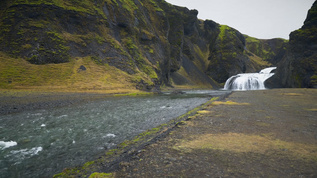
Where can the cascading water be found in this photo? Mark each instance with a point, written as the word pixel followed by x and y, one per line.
pixel 249 81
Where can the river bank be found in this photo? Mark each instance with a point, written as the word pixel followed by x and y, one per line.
pixel 18 100
pixel 269 133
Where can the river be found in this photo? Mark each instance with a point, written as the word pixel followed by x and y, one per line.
pixel 41 143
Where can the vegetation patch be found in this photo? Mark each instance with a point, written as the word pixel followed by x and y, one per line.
pixel 256 59
pixel 102 175
pixel 292 94
pixel 263 124
pixel 17 73
pixel 85 6
pixel 314 109
pixel 156 6
pixel 243 143
pixel 204 112
pixel 229 103
pixel 129 5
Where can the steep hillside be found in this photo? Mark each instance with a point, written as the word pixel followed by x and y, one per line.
pixel 270 50
pixel 298 67
pixel 228 56
pixel 149 43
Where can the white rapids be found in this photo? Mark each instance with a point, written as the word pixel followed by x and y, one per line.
pixel 249 81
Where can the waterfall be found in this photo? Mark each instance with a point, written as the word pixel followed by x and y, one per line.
pixel 249 81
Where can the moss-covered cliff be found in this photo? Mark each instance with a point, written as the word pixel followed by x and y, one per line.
pixel 298 67
pixel 151 41
pixel 123 34
pixel 270 50
pixel 229 55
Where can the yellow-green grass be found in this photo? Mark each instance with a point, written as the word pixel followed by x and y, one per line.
pixel 292 94
pixel 17 73
pixel 258 60
pixel 229 103
pixel 243 143
pixel 196 84
pixel 101 175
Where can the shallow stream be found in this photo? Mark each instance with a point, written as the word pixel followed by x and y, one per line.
pixel 42 143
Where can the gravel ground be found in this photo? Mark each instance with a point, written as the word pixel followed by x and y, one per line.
pixel 270 133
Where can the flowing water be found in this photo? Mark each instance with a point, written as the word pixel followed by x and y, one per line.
pixel 249 81
pixel 43 142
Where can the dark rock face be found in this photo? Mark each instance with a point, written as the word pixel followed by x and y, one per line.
pixel 298 67
pixel 229 56
pixel 165 44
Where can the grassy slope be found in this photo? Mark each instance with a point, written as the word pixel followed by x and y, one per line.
pixel 16 73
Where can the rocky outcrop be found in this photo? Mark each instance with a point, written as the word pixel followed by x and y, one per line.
pixel 298 67
pixel 228 55
pixel 153 41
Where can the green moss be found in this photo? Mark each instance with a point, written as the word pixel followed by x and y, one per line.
pixel 313 79
pixel 226 34
pixel 88 164
pixel 307 34
pixel 223 30
pixel 110 152
pixel 101 175
pixel 26 46
pixel 79 170
pixel 151 51
pixel 250 39
pixel 142 63
pixel 99 39
pixel 38 23
pixel 85 6
pixel 156 6
pixel 129 5
pixel 265 49
pixel 78 39
pixel 130 45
